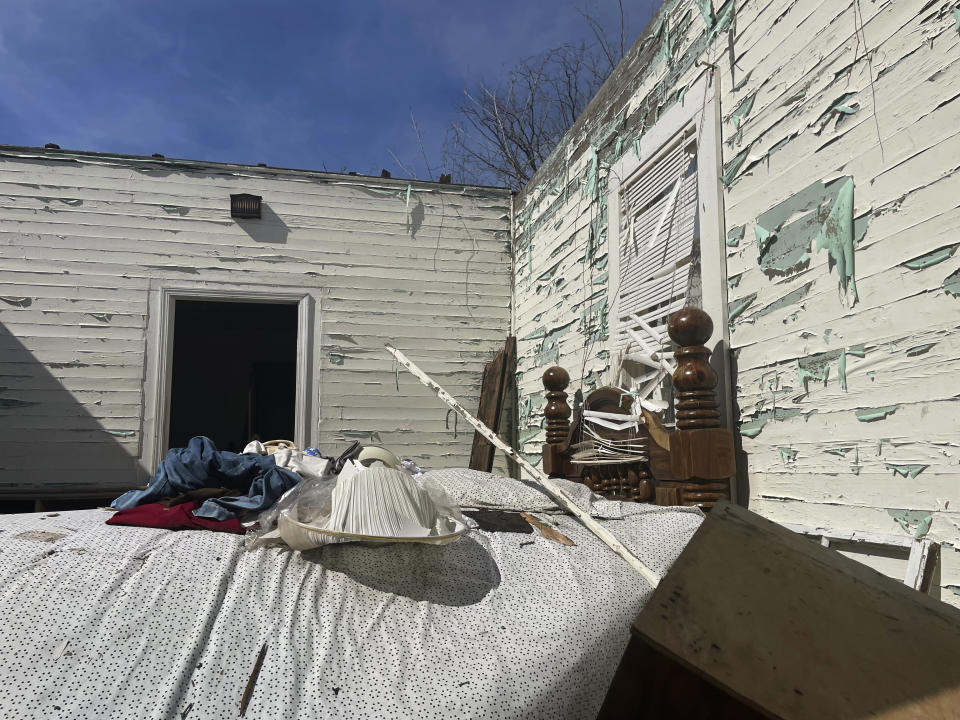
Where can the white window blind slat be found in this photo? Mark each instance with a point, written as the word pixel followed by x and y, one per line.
pixel 655 272
pixel 657 178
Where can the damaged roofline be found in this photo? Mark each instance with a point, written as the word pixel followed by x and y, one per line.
pixel 26 151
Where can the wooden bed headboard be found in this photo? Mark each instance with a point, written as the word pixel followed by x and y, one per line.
pixel 689 464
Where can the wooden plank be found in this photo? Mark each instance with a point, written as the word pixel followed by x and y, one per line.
pixel 492 396
pixel 923 560
pixel 801 631
pixel 924 554
pixel 509 401
pixel 705 453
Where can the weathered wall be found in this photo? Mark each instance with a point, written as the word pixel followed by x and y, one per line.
pixel 840 156
pixel 83 239
pixel 561 234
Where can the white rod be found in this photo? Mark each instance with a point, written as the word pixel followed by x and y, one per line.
pixel 635 336
pixel 668 269
pixel 645 359
pixel 666 211
pixel 650 331
pixel 647 389
pixel 539 476
pixel 667 368
pixel 611 416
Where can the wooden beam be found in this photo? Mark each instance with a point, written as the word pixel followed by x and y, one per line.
pixel 493 392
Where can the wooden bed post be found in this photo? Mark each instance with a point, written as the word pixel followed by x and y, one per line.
pixel 701 452
pixel 692 465
pixel 694 380
pixel 557 413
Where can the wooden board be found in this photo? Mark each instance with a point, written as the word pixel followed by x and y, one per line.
pixel 649 684
pixel 706 454
pixel 800 631
pixel 492 395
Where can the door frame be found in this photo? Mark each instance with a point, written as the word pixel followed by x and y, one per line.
pixel 158 368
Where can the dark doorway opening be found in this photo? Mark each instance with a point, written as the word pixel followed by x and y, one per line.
pixel 234 372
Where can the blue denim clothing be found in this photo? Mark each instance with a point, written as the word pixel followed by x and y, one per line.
pixel 201 465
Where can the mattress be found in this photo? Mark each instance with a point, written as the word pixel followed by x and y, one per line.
pixel 102 621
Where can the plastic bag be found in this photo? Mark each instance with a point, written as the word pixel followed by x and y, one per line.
pixel 375 504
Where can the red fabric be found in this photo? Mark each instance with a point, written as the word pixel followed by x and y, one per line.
pixel 175 517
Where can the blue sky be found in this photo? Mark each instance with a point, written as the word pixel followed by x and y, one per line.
pixel 325 84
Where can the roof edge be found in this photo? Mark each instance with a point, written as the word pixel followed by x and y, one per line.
pixel 26 151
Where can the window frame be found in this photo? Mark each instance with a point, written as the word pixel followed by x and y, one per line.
pixel 700 104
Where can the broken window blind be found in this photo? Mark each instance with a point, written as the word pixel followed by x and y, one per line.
pixel 655 274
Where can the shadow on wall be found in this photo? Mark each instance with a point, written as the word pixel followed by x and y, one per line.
pixel 51 447
pixel 741 457
pixel 268 229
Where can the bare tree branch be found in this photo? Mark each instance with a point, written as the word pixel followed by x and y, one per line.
pixel 623 27
pixel 416 130
pixel 503 132
pixel 410 173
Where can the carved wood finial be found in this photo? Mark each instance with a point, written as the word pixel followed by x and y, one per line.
pixel 694 379
pixel 556 411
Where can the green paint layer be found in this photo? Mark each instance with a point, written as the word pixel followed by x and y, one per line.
pixel 836 236
pixel 591 187
pixel 784 242
pixel 548 353
pixel 735 235
pixel 762 236
pixel 753 427
pixel 706 9
pixel 906 469
pixel 920 349
pixel 529 435
pixel 952 283
pixel 731 169
pixel 735 309
pixel 743 81
pixel 914 522
pixel 877 413
pixel 931 258
pixel 817 367
pixel 739 114
pixel 787 455
pixel 791 298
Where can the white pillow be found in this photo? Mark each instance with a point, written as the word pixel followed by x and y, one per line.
pixel 477 489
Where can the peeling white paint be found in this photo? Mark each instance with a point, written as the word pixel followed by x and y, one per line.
pixel 425 266
pixel 814 97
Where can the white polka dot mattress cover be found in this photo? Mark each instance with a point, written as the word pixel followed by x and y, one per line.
pixel 102 621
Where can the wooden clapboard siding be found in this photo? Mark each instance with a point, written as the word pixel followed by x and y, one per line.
pixel 84 237
pixel 810 99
